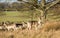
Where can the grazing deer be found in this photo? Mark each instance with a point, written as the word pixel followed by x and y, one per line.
pixel 35 24
pixel 32 24
pixel 10 26
pixel 19 26
pixel 24 25
pixel 2 27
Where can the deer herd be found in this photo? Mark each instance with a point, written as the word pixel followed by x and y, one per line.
pixel 24 25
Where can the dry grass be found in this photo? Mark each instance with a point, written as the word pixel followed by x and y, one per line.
pixel 53 25
pixel 49 30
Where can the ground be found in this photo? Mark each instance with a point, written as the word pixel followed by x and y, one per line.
pixel 50 30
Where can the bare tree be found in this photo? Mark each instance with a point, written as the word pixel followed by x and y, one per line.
pixel 43 7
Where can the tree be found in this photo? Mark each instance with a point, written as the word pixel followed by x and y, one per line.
pixel 43 7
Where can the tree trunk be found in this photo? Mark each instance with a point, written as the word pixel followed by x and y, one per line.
pixel 43 2
pixel 43 16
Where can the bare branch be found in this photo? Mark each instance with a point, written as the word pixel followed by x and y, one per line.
pixel 43 2
pixel 52 4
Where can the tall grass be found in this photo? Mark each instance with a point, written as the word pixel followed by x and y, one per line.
pixel 54 25
pixel 49 30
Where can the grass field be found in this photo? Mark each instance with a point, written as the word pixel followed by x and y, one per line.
pixel 17 16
